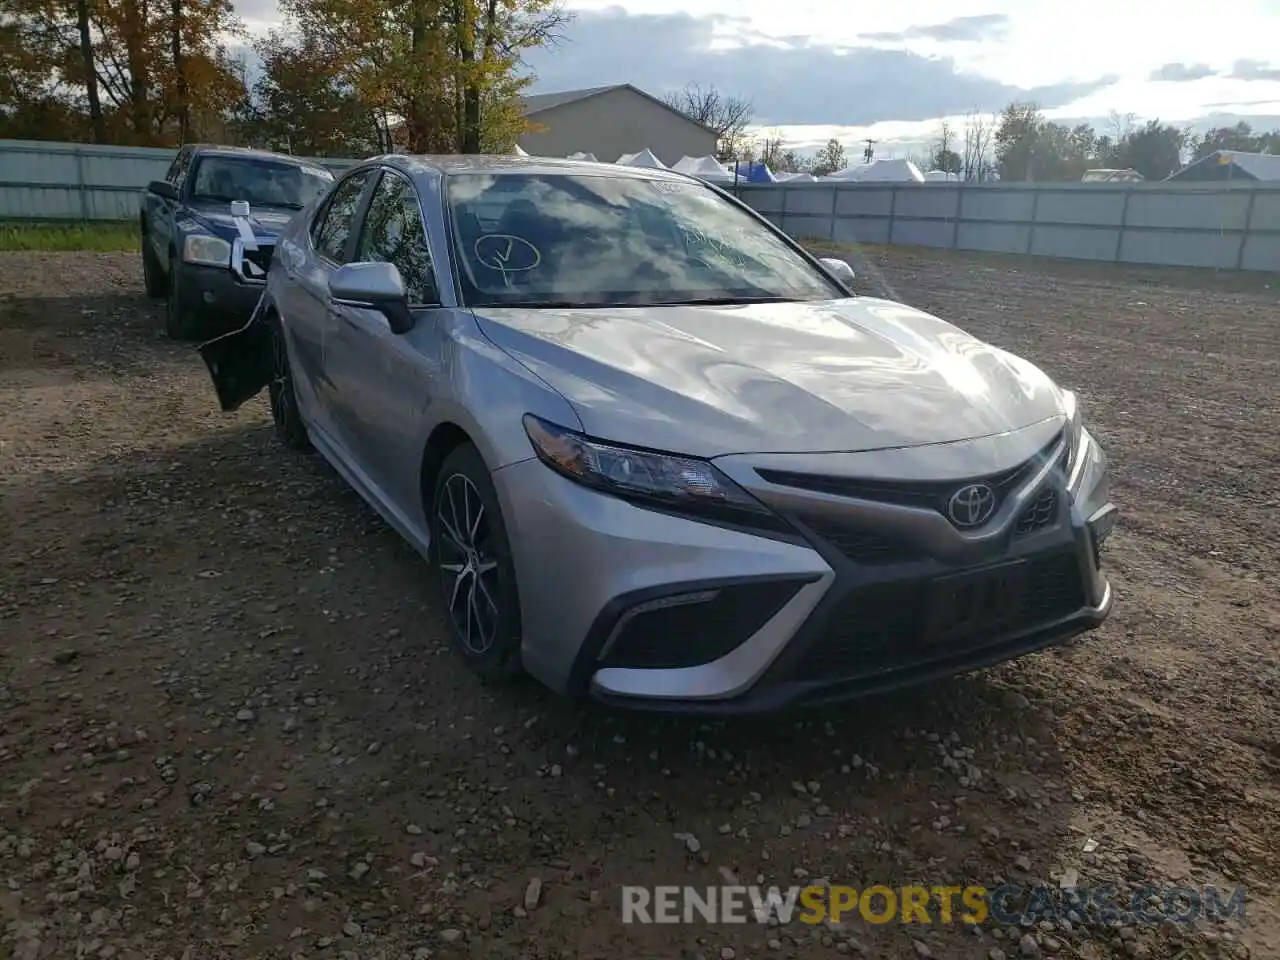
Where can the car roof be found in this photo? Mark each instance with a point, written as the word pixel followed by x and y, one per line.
pixel 496 164
pixel 222 150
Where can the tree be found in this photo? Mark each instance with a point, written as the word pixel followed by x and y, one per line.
pixel 975 163
pixel 792 162
pixel 447 70
pixel 299 106
pixel 943 155
pixel 1016 140
pixel 120 70
pixel 1120 124
pixel 1240 137
pixel 1154 150
pixel 728 116
pixel 772 154
pixel 829 159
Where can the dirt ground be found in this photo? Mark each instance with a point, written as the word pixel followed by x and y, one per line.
pixel 230 728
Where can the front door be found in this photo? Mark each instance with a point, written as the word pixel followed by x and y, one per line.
pixel 385 380
pixel 310 318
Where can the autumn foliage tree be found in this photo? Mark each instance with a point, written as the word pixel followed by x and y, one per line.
pixel 121 71
pixel 432 76
pixel 346 77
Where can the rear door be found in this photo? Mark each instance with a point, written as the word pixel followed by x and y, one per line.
pixel 309 319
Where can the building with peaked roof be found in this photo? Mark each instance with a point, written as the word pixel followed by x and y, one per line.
pixel 610 122
pixel 1233 165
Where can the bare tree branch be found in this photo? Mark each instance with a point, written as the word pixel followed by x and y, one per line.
pixel 728 116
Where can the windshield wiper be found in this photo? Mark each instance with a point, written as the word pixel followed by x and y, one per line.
pixel 718 301
pixel 548 304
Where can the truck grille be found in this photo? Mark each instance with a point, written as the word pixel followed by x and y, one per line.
pixel 251 266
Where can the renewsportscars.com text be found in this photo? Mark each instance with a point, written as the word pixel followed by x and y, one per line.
pixel 878 904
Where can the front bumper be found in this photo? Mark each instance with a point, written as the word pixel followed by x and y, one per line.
pixel 218 299
pixel 642 609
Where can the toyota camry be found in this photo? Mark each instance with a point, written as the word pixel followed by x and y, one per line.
pixel 656 453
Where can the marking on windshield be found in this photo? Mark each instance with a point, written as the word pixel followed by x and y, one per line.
pixel 506 254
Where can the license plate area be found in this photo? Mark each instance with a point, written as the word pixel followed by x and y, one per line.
pixel 975 602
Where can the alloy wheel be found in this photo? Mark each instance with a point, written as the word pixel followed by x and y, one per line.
pixel 468 568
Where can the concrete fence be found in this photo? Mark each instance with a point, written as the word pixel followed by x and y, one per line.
pixel 1225 226
pixel 40 180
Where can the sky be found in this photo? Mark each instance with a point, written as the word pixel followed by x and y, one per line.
pixel 814 69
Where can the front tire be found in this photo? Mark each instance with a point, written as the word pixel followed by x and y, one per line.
pixel 153 278
pixel 179 323
pixel 474 566
pixel 286 416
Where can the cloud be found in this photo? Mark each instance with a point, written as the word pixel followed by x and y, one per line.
pixel 1182 72
pixel 1254 70
pixel 788 84
pixel 985 26
pixel 259 10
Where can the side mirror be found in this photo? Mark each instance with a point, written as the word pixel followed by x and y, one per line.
pixel 373 286
pixel 163 188
pixel 843 272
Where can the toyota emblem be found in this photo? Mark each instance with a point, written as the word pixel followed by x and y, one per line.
pixel 972 505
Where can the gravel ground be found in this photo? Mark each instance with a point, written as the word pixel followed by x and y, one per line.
pixel 230 727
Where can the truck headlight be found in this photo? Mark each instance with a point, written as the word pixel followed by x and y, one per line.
pixel 207 250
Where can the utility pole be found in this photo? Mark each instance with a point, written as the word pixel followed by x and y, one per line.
pixel 870 152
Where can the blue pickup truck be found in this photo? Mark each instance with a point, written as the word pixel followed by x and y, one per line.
pixel 209 229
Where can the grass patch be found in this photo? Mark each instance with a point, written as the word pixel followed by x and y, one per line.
pixel 46 236
pixel 834 248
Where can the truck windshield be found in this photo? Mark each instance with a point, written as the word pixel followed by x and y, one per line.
pixel 263 183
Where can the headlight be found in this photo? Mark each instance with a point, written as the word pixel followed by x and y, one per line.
pixel 681 484
pixel 1078 440
pixel 207 250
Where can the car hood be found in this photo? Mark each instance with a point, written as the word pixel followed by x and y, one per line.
pixel 843 375
pixel 268 223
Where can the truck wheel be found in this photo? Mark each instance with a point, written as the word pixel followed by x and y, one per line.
pixel 153 278
pixel 179 323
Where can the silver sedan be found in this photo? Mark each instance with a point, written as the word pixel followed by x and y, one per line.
pixel 655 452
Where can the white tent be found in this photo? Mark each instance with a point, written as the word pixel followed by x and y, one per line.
pixel 941 176
pixel 643 158
pixel 794 177
pixel 704 168
pixel 519 151
pixel 591 157
pixel 883 171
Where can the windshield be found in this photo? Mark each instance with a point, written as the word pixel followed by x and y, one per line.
pixel 561 240
pixel 262 183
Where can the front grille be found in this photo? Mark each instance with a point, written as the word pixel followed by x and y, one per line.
pixel 932 494
pixel 859 545
pixel 882 629
pixel 697 628
pixel 261 257
pixel 260 260
pixel 1040 513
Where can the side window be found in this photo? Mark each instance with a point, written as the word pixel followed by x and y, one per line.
pixel 333 227
pixel 178 169
pixel 393 232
